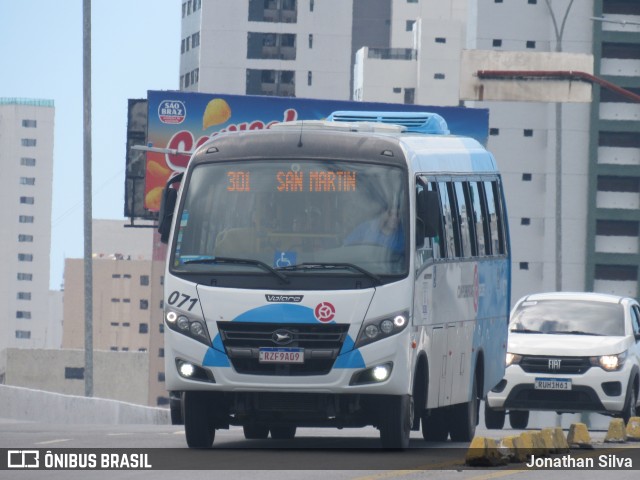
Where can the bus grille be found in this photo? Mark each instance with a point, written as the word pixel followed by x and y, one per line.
pixel 321 343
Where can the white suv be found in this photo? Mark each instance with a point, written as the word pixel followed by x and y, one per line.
pixel 569 352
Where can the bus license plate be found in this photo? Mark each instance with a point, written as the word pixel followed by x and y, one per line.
pixel 553 384
pixel 281 355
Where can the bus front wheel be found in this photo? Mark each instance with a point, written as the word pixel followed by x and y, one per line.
pixel 396 420
pixel 198 421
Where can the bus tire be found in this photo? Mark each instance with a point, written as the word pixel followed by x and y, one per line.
pixel 464 417
pixel 493 419
pixel 198 422
pixel 434 425
pixel 255 432
pixel 283 433
pixel 395 423
pixel 519 419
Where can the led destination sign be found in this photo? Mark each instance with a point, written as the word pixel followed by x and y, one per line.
pixel 297 181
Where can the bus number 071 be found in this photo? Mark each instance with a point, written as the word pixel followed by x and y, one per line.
pixel 179 299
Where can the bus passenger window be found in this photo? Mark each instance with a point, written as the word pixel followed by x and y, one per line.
pixel 456 221
pixel 447 217
pixel 468 249
pixel 495 220
pixel 478 208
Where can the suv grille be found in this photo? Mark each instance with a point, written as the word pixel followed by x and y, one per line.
pixel 321 344
pixel 567 365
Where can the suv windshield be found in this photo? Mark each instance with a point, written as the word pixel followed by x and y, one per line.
pixel 322 216
pixel 569 316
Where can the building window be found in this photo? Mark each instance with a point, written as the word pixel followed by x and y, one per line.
pixel 525 221
pixel 161 327
pixel 531 44
pixel 161 376
pixel 126 300
pixel 309 78
pixel 126 324
pixel 144 280
pixel 144 304
pixel 115 324
pixel 24 295
pixel 494 131
pixel 23 314
pixel 114 349
pixel 74 373
pixel 23 334
pixel 25 257
pixel 524 265
pixel 28 162
pixel 409 96
pixel 28 142
pixel 618 228
pixel 27 200
pixel 161 352
pixel 439 76
pixel 27 181
pixel 29 123
pixel 409 25
pixel 310 41
pixel 126 275
pixel 441 40
pixel 617 272
pixel 25 238
pixel 496 42
pixel 526 177
pixel 528 132
pixel 144 328
pixel 532 2
pixel 115 300
pixel 27 277
pixel 311 5
pixel 115 275
pixel 397 90
pixel 25 218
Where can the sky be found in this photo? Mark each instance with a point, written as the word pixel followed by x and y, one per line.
pixel 135 47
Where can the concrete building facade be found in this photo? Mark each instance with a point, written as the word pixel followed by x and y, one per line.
pixel 26 157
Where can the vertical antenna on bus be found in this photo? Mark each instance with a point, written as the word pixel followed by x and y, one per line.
pixel 300 138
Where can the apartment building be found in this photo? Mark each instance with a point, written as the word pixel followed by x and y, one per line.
pixel 122 311
pixel 290 48
pixel 26 157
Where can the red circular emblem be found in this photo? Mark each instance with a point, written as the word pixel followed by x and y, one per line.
pixel 325 312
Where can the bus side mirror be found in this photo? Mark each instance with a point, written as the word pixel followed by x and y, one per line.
pixel 429 214
pixel 167 206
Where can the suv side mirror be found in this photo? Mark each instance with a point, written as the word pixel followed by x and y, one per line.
pixel 167 207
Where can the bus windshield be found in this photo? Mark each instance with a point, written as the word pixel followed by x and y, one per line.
pixel 293 217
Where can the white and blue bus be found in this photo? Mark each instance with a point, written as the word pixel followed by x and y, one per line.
pixel 343 273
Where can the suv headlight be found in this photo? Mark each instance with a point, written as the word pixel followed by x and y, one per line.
pixel 610 363
pixel 187 325
pixel 379 328
pixel 512 359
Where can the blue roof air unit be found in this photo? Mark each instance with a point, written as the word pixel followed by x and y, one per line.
pixel 419 122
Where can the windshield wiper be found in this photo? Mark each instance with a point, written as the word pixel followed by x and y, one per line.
pixel 575 332
pixel 333 266
pixel 239 261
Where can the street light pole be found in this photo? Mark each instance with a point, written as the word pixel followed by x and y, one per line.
pixel 559 31
pixel 88 217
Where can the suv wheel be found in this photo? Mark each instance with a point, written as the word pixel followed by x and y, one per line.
pixel 519 419
pixel 630 409
pixel 493 419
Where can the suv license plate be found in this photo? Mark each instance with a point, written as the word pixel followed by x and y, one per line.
pixel 553 384
pixel 281 355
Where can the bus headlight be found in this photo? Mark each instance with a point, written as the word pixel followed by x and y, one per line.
pixel 191 327
pixel 379 328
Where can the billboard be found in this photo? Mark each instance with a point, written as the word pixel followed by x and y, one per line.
pixel 185 120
